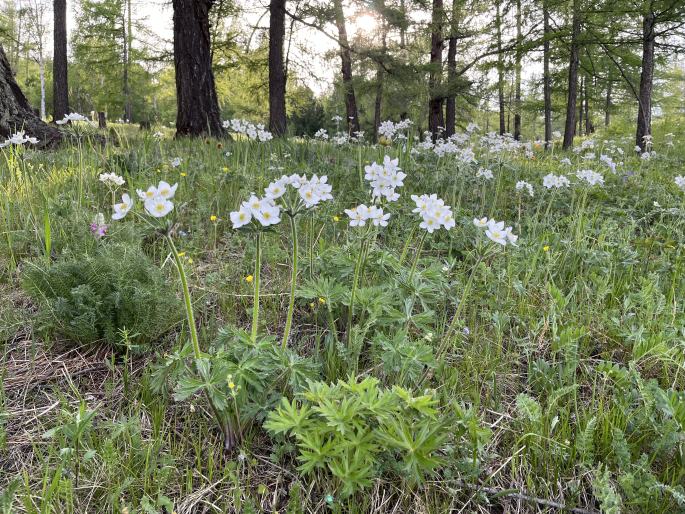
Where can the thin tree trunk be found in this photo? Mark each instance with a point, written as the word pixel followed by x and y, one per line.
pixel 15 112
pixel 128 43
pixel 500 69
pixel 380 74
pixel 435 114
pixel 580 108
pixel 607 104
pixel 588 121
pixel 346 68
pixel 197 104
pixel 277 76
pixel 644 114
pixel 547 80
pixel 60 81
pixel 41 68
pixel 517 94
pixel 451 102
pixel 572 79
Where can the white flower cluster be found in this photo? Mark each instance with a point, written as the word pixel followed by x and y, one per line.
pixel 680 182
pixel 157 201
pixel 111 179
pixel 390 129
pixel 556 181
pixel 363 213
pixel 484 173
pixel 267 212
pixel 321 134
pixel 434 213
pixel 566 161
pixel 606 159
pixel 252 131
pixel 74 116
pixel 591 177
pixel 496 232
pixel 522 184
pixel 385 178
pixel 19 138
pixel 472 127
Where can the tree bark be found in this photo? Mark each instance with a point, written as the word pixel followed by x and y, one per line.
pixel 197 104
pixel 547 79
pixel 517 94
pixel 644 113
pixel 570 127
pixel 128 48
pixel 277 75
pixel 500 69
pixel 451 101
pixel 15 112
pixel 588 122
pixel 380 74
pixel 607 104
pixel 435 114
pixel 579 131
pixel 59 62
pixel 346 69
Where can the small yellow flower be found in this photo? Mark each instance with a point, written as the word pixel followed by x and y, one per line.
pixel 336 219
pixel 190 260
pixel 225 169
pixel 181 254
pixel 184 174
pixel 322 300
pixel 311 305
pixel 213 218
pixel 249 279
pixel 231 385
pixel 545 248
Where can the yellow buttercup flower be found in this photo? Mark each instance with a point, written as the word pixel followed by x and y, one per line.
pixel 231 385
pixel 213 218
pixel 336 219
pixel 249 279
pixel 183 174
pixel 545 248
pixel 226 170
pixel 311 305
pixel 190 260
pixel 181 254
pixel 322 300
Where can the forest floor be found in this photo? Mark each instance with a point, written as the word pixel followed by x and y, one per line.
pixel 423 372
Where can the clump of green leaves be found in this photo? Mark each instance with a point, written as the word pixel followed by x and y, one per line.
pixel 357 431
pixel 93 298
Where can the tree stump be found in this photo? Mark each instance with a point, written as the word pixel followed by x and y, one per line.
pixel 15 112
pixel 102 120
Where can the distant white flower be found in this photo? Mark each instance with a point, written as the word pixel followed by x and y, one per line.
pixel 591 177
pixel 176 162
pixel 556 134
pixel 555 181
pixel 121 209
pixel 434 213
pixel 566 161
pixel 111 179
pixel 321 134
pixel 480 223
pixel 680 182
pixel 484 173
pixel 71 117
pixel 522 184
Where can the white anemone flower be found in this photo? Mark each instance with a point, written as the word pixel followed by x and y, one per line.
pixel 121 209
pixel 166 191
pixel 150 194
pixel 358 215
pixel 480 222
pixel 268 214
pixel 241 217
pixel 158 207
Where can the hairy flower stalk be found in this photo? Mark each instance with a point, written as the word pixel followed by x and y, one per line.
pixel 293 281
pixel 255 303
pixel 418 254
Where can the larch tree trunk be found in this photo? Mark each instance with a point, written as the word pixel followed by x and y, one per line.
pixel 569 129
pixel 15 112
pixel 451 101
pixel 380 73
pixel 589 127
pixel 346 69
pixel 128 48
pixel 197 104
pixel 277 75
pixel 579 131
pixel 517 71
pixel 500 69
pixel 644 113
pixel 547 78
pixel 607 103
pixel 435 103
pixel 60 82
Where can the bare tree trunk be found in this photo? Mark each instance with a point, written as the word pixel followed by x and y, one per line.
pixel 346 62
pixel 580 108
pixel 197 104
pixel 128 47
pixel 588 121
pixel 41 68
pixel 572 79
pixel 435 103
pixel 607 104
pixel 15 112
pixel 277 76
pixel 547 80
pixel 380 74
pixel 644 113
pixel 500 69
pixel 60 82
pixel 451 102
pixel 517 94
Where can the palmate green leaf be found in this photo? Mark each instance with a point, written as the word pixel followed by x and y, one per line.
pixel 316 451
pixel 354 469
pixel 288 417
pixel 425 404
pixel 322 287
pixel 341 415
pixel 187 386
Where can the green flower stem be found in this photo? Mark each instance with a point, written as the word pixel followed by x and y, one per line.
pixel 405 250
pixel 293 281
pixel 355 282
pixel 418 254
pixel 186 297
pixel 255 303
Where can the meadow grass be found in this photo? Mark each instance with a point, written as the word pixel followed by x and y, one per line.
pixel 556 366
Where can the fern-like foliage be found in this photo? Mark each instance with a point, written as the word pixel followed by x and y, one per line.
pixel 93 298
